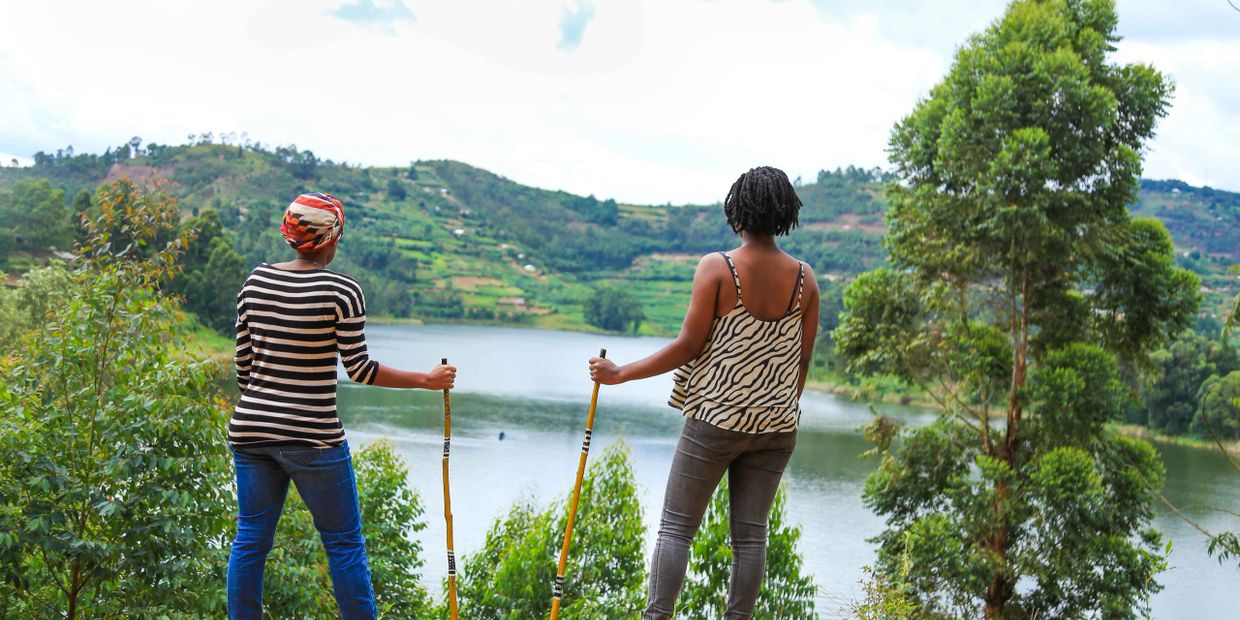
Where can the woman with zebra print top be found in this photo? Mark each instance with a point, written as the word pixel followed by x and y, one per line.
pixel 740 360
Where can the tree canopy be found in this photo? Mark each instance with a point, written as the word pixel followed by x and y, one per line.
pixel 1019 287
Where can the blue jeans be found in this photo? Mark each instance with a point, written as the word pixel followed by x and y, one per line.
pixel 324 478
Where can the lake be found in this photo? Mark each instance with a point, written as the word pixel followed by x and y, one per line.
pixel 533 387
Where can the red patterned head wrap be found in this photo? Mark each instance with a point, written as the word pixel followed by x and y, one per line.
pixel 313 222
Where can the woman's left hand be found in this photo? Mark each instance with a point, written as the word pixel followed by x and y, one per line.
pixel 605 371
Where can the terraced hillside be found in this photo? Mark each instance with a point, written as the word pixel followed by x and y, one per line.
pixel 441 240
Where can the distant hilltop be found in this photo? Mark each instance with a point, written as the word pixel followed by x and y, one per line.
pixel 460 242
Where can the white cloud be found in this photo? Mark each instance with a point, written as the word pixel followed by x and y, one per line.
pixel 663 100
pixel 1197 141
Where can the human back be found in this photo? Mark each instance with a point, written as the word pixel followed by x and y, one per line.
pixel 747 376
pixel 771 281
pixel 296 322
pixel 740 359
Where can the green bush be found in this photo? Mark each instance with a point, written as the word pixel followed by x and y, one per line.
pixel 512 575
pixel 884 600
pixel 113 481
pixel 1170 397
pixel 1219 412
pixel 298 584
pixel 36 216
pixel 28 306
pixel 786 593
pixel 614 308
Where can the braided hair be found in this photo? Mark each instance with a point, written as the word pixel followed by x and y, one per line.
pixel 762 202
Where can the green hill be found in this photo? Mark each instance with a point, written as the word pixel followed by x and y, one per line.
pixel 442 240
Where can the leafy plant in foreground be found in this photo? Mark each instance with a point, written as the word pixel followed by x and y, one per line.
pixel 511 576
pixel 787 593
pixel 298 583
pixel 113 477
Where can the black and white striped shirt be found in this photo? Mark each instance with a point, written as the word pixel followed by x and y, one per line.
pixel 290 327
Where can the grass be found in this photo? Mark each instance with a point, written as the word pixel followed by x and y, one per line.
pixel 1133 430
pixel 878 389
pixel 202 341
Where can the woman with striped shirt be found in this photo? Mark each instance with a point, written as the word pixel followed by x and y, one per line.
pixel 293 320
pixel 741 356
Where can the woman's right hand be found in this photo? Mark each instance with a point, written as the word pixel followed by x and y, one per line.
pixel 442 377
pixel 605 371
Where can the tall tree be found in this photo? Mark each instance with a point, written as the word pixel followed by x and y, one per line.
pixel 1020 284
pixel 396 190
pixel 209 268
pixel 82 204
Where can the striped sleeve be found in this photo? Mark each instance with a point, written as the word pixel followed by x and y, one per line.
pixel 351 336
pixel 245 351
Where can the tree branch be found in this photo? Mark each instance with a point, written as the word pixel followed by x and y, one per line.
pixel 1183 516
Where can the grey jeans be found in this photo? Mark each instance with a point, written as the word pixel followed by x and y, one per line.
pixel 754 463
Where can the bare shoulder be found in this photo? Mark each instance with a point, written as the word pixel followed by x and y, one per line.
pixel 712 263
pixel 811 280
pixel 711 269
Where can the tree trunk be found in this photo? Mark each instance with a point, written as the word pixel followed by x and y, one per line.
pixel 997 595
pixel 1001 585
pixel 1000 588
pixel 74 588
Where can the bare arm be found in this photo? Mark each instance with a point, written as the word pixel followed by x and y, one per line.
pixel 809 333
pixel 442 377
pixel 687 345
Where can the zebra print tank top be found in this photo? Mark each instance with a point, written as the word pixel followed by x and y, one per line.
pixel 746 378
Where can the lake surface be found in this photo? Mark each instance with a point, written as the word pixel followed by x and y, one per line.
pixel 533 386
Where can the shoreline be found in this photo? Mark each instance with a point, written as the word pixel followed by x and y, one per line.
pixel 825 385
pixel 851 393
pixel 534 324
pixel 1140 432
pixel 855 393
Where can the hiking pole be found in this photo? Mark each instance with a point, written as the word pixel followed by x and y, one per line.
pixel 447 497
pixel 558 590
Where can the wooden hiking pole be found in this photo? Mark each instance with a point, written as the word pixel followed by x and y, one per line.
pixel 447 498
pixel 558 590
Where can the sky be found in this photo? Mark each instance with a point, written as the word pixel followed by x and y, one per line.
pixel 644 101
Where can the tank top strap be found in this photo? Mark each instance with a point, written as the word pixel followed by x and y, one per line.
pixel 736 278
pixel 795 300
